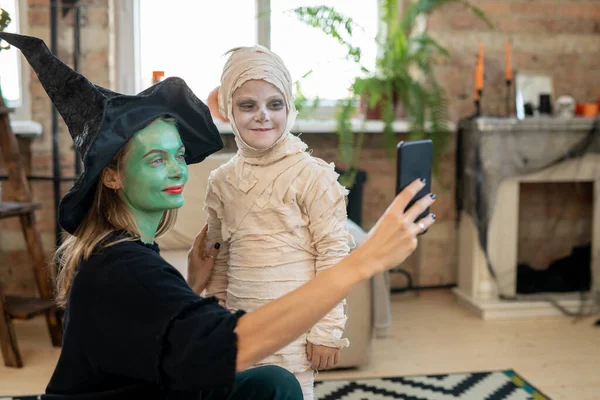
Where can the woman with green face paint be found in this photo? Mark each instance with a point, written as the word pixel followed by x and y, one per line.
pixel 156 171
pixel 133 327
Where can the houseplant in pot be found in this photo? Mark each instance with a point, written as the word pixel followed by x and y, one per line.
pixel 403 78
pixel 4 21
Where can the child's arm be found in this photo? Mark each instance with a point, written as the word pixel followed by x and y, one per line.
pixel 218 281
pixel 325 205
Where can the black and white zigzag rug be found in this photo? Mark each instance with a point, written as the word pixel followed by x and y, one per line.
pixel 496 385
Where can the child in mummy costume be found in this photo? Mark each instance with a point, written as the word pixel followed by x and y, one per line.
pixel 278 212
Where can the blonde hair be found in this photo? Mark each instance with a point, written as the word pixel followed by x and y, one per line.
pixel 107 215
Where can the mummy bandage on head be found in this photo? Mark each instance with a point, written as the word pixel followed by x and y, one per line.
pixel 248 63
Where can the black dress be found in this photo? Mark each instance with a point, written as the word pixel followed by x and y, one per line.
pixel 134 329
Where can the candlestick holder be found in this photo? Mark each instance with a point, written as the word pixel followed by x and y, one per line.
pixel 478 103
pixel 508 92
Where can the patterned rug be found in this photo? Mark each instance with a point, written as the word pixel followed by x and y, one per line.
pixel 495 385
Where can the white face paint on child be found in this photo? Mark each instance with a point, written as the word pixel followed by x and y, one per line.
pixel 260 113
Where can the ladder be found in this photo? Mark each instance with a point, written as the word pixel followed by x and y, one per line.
pixel 21 307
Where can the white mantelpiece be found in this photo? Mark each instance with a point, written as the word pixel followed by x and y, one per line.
pixel 476 288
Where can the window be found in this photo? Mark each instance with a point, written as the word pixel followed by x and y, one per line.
pixel 304 48
pixel 189 39
pixel 10 76
pixel 14 75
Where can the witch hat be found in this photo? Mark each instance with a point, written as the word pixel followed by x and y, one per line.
pixel 101 121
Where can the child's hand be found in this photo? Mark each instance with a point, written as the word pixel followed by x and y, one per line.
pixel 322 357
pixel 200 264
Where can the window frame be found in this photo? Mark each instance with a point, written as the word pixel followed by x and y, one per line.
pixel 23 111
pixel 126 40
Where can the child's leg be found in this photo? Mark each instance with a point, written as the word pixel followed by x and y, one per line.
pixel 307 382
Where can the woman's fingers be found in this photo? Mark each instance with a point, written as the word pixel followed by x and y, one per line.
pixel 423 224
pixel 200 240
pixel 213 253
pixel 419 207
pixel 394 236
pixel 406 195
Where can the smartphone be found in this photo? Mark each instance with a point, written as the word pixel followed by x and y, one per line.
pixel 414 159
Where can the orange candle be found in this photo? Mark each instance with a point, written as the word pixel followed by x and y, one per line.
pixel 479 70
pixel 509 74
pixel 157 76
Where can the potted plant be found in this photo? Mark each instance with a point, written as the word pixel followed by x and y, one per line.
pixel 4 21
pixel 403 77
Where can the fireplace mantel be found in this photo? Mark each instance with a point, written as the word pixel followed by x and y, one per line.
pixel 489 155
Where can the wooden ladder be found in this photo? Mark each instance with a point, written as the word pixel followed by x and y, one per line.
pixel 20 307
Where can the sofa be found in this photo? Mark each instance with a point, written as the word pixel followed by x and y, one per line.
pixel 363 317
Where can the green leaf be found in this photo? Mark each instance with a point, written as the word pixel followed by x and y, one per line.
pixel 346 108
pixel 4 22
pixel 332 24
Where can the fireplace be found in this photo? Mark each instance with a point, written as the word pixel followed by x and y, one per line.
pixel 555 232
pixel 498 298
pixel 497 160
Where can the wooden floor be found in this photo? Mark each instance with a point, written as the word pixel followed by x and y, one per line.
pixel 430 334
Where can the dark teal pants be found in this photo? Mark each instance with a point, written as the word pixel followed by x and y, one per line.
pixel 262 383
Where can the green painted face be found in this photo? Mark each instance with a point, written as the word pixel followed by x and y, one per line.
pixel 155 172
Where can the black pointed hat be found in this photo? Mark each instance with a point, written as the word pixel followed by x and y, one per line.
pixel 101 121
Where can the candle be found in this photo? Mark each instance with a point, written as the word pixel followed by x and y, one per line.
pixel 157 76
pixel 476 91
pixel 509 74
pixel 479 70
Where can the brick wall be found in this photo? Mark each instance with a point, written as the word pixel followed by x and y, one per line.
pixel 37 153
pixel 556 37
pixel 566 47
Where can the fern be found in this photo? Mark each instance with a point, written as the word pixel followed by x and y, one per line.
pixel 331 23
pixel 345 131
pixel 4 21
pixel 402 53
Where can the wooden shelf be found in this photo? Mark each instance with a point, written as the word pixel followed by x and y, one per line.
pixel 14 209
pixel 27 307
pixel 6 110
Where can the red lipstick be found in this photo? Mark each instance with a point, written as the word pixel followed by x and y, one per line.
pixel 177 189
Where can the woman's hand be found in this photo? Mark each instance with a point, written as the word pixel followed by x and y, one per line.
pixel 394 237
pixel 200 264
pixel 322 357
